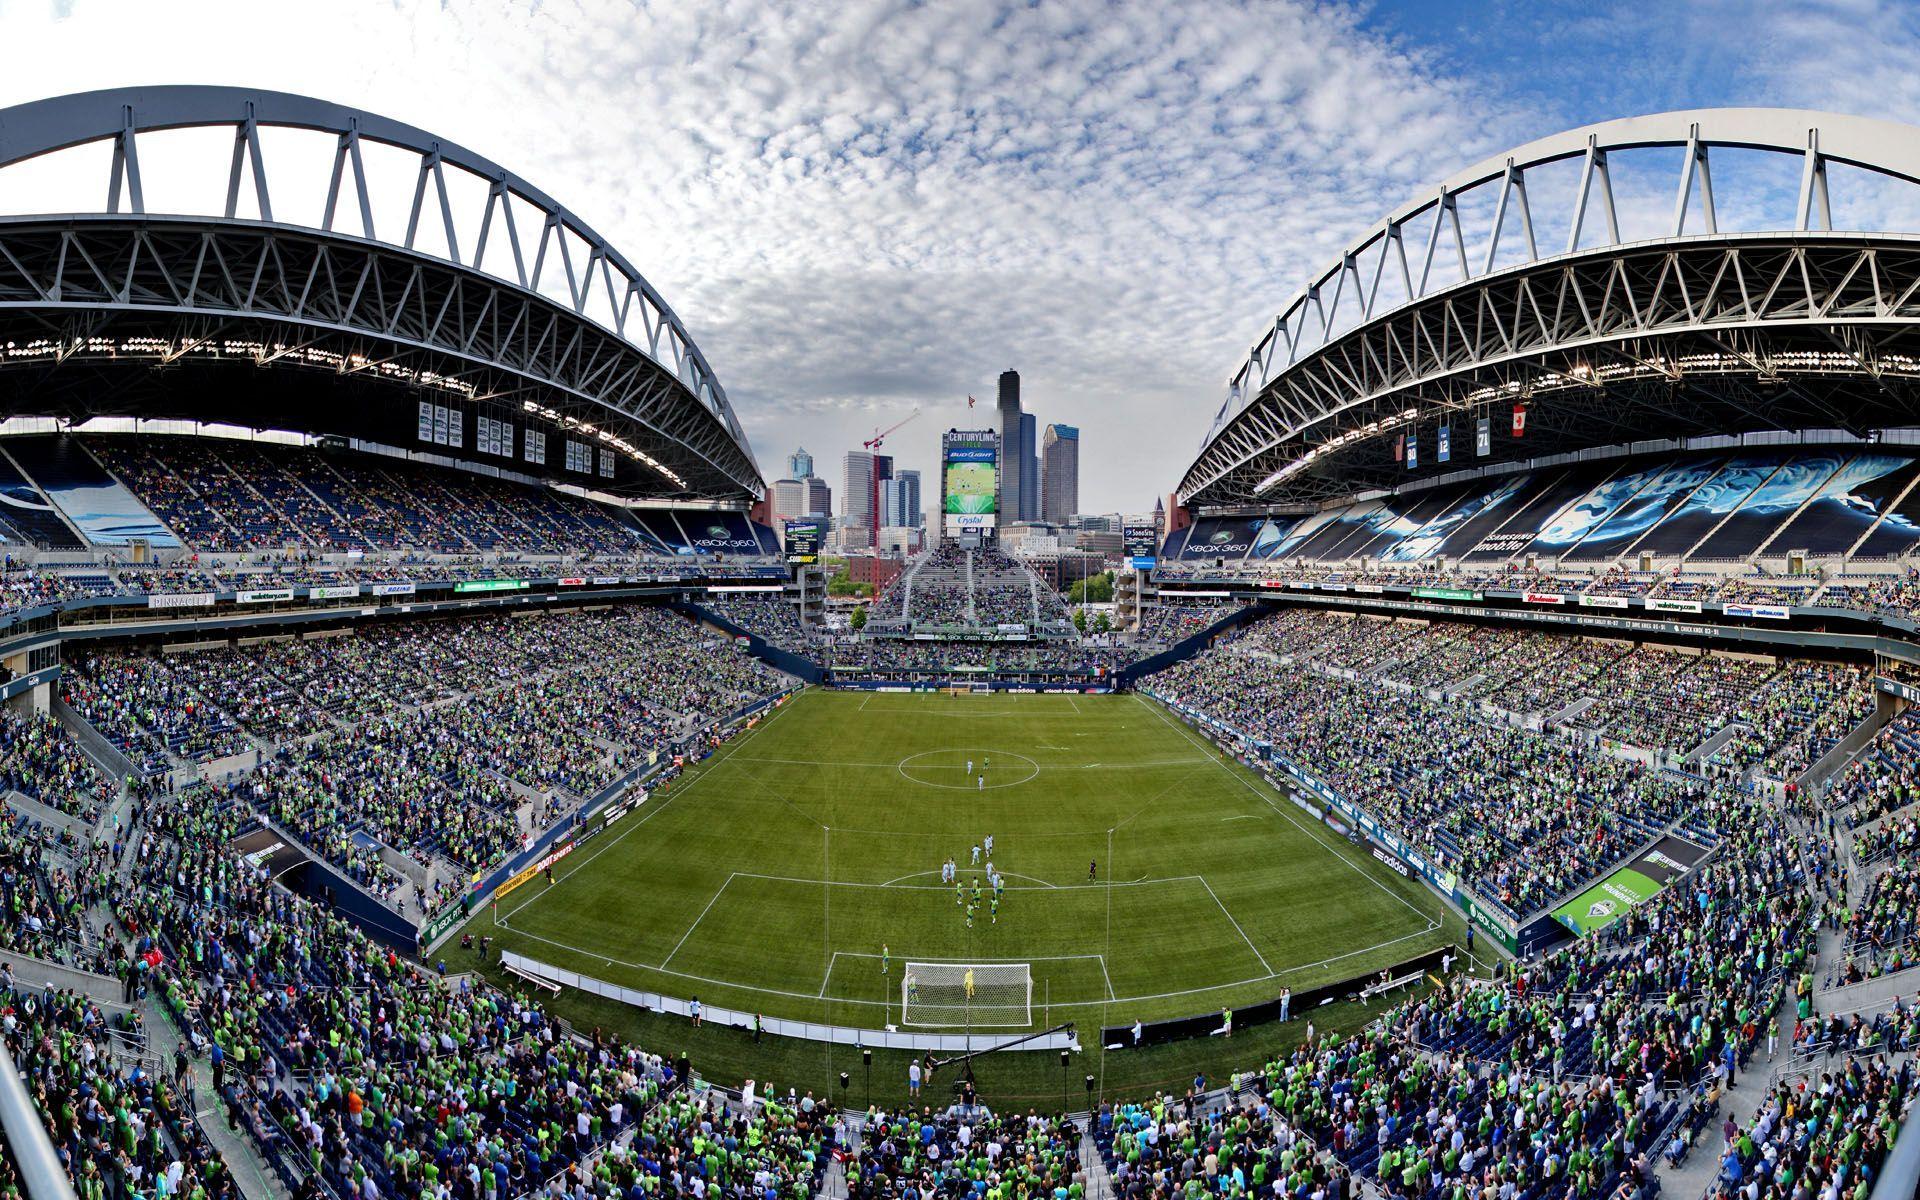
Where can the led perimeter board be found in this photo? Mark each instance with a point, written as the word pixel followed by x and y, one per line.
pixel 969 479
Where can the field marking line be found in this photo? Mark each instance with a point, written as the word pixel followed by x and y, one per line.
pixel 1105 976
pixel 941 887
pixel 696 921
pixel 695 782
pixel 981 962
pixel 1221 762
pixel 1044 885
pixel 1075 704
pixel 1241 817
pixel 1264 964
pixel 767 991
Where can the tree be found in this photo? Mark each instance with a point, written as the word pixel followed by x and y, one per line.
pixel 859 618
pixel 1080 619
pixel 1094 589
pixel 1101 622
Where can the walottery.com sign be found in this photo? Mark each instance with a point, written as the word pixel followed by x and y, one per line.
pixel 1637 882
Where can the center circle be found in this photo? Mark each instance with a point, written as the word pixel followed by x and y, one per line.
pixel 948 769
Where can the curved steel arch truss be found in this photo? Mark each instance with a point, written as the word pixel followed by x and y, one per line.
pixel 513 298
pixel 1317 405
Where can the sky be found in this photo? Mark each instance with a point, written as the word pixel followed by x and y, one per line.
pixel 864 207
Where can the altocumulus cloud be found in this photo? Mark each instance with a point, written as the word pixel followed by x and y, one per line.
pixel 862 206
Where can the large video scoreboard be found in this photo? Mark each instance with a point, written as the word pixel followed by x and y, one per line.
pixel 969 480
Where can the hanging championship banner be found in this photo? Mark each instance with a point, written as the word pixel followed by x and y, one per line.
pixel 1483 437
pixel 1444 451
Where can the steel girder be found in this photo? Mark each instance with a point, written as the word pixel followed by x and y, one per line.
pixel 472 256
pixel 294 297
pixel 1681 337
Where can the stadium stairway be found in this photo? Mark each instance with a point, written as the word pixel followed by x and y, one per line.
pixel 255 1178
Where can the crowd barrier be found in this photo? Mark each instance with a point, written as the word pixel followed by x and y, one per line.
pixel 1299 1006
pixel 844 1035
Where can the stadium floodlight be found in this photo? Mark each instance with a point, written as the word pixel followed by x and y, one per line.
pixel 956 994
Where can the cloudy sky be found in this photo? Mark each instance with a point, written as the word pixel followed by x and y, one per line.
pixel 863 206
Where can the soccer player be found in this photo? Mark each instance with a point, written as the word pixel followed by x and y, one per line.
pixel 969 983
pixel 959 897
pixel 994 901
pixel 989 845
pixel 976 854
pixel 886 959
pixel 981 783
pixel 999 885
pixel 913 989
pixel 976 891
pixel 969 766
pixel 970 905
pixel 1093 870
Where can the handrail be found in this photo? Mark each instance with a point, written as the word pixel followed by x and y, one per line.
pixel 27 1138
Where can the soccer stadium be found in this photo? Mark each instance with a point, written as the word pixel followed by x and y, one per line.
pixel 434 768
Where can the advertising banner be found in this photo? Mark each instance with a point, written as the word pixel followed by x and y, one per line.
pixel 1446 594
pixel 263 595
pixel 181 600
pixel 334 591
pixel 572 581
pixel 391 589
pixel 1771 612
pixel 491 585
pixel 1543 598
pixel 1665 604
pixel 803 542
pixel 1603 602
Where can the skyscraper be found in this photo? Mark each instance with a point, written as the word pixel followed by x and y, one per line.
pixel 1012 461
pixel 1029 468
pixel 882 472
pixel 789 499
pixel 856 495
pixel 900 501
pixel 1060 474
pixel 819 497
pixel 800 464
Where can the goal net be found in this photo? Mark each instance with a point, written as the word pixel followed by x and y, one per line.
pixel 959 994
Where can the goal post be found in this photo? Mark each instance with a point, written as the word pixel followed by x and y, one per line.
pixel 956 994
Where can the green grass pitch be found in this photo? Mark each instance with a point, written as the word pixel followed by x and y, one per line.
pixel 770 878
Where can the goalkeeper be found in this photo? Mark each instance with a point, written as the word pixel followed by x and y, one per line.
pixel 969 983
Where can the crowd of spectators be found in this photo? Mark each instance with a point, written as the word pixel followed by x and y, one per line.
pixel 1524 817
pixel 41 761
pixel 229 496
pixel 1174 620
pixel 965 1151
pixel 1817 1136
pixel 453 741
pixel 1791 723
pixel 1664 700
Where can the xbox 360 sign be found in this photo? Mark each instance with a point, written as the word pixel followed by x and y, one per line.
pixel 715 537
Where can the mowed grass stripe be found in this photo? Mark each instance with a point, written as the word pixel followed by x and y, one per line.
pixel 1220 893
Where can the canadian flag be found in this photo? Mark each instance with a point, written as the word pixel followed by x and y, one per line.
pixel 1519 420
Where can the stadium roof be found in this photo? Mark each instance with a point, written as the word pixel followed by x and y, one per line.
pixel 315 235
pixel 1597 281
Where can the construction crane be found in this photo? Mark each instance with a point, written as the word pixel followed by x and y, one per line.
pixel 881 435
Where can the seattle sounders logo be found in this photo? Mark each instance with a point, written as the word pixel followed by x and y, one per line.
pixel 1600 909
